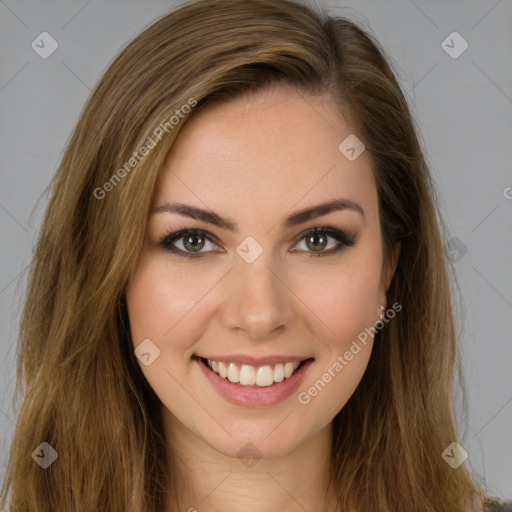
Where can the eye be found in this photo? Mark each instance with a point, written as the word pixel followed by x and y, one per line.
pixel 190 243
pixel 316 241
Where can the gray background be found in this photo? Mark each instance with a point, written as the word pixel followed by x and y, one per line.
pixel 463 108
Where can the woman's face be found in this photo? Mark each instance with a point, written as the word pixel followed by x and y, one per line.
pixel 250 290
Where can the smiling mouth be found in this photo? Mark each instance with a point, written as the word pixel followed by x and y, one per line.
pixel 257 376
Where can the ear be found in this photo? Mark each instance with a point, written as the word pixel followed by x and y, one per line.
pixel 389 271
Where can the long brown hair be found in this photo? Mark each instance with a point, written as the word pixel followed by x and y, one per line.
pixel 83 391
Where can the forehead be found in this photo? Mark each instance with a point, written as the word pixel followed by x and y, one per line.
pixel 274 149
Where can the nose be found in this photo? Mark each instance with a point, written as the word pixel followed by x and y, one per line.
pixel 257 301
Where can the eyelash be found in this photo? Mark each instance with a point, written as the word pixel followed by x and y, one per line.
pixel 345 239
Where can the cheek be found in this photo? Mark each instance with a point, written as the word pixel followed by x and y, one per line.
pixel 344 300
pixel 345 304
pixel 160 300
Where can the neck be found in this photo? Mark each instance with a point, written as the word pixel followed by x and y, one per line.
pixel 205 479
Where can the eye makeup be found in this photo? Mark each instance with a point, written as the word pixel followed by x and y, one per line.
pixel 184 236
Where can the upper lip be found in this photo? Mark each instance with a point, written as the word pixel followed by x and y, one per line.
pixel 256 361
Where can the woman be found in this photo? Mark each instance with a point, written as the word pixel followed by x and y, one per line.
pixel 239 300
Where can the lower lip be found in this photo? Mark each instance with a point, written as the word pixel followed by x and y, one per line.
pixel 255 396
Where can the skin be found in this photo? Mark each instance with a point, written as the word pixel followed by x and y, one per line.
pixel 256 160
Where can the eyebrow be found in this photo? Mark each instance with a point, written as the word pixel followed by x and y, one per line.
pixel 295 219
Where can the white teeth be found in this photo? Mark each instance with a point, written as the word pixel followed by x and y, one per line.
pixel 248 375
pixel 223 370
pixel 264 376
pixel 288 369
pixel 233 373
pixel 278 372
